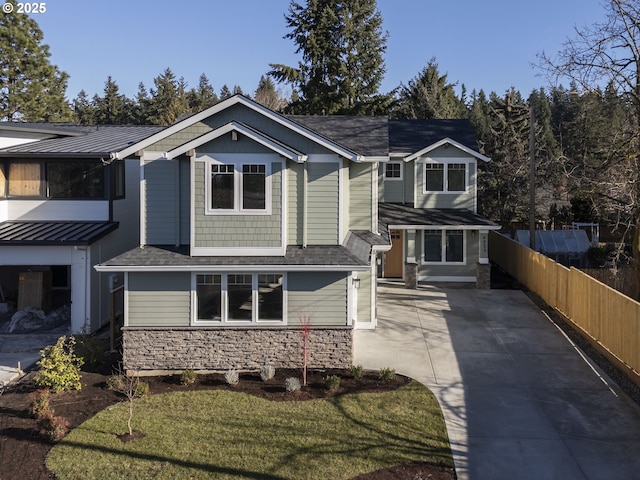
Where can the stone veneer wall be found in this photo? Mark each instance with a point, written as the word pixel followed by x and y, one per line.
pixel 149 350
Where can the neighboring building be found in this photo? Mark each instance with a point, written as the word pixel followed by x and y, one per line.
pixel 65 205
pixel 253 223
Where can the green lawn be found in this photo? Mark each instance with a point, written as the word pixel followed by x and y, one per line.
pixel 223 435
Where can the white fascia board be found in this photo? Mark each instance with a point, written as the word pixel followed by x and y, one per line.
pixel 445 141
pixel 229 102
pixel 235 126
pixel 232 268
pixel 444 227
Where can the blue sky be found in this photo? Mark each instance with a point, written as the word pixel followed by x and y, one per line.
pixel 488 44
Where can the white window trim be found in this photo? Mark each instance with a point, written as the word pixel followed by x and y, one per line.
pixel 443 247
pixel 225 321
pixel 237 186
pixel 446 162
pixel 393 179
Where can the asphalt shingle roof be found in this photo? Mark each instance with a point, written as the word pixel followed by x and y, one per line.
pixel 410 136
pixel 395 214
pixel 53 233
pixel 324 256
pixel 96 141
pixel 368 136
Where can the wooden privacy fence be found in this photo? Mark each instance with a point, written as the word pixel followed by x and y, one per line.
pixel 605 317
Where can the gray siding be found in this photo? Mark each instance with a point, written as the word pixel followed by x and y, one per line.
pixel 465 200
pixel 160 202
pixel 323 203
pixel 159 299
pixel 239 113
pixel 185 201
pixel 238 230
pixel 360 179
pixel 323 295
pixel 295 191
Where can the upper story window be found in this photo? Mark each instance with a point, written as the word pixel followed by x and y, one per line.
pixel 52 179
pixel 393 171
pixel 118 179
pixel 445 177
pixel 238 188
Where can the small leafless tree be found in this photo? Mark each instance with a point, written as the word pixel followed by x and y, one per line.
pixel 127 385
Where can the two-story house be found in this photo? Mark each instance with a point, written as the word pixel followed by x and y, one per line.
pixel 66 204
pixel 253 224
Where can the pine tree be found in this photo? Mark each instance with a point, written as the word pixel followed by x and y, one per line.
pixel 225 92
pixel 31 88
pixel 168 100
pixel 267 95
pixel 84 111
pixel 114 108
pixel 429 95
pixel 342 66
pixel 203 96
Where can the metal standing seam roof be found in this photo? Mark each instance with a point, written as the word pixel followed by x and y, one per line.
pixel 98 141
pixel 53 233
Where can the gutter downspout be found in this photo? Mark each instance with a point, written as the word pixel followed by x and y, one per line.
pixel 305 178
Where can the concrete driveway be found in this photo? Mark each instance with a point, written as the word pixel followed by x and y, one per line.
pixel 520 401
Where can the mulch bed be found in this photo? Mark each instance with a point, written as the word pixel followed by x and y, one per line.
pixel 22 452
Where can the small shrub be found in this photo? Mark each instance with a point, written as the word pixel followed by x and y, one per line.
pixel 267 372
pixel 141 390
pixel 332 382
pixel 356 371
pixel 52 428
pixel 188 377
pixel 387 374
pixel 91 349
pixel 40 403
pixel 292 384
pixel 117 382
pixel 59 366
pixel 231 377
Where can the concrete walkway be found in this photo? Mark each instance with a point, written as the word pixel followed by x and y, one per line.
pixel 23 349
pixel 520 401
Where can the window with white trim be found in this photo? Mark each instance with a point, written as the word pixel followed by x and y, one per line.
pixel 443 246
pixel 238 188
pixel 445 177
pixel 393 171
pixel 239 297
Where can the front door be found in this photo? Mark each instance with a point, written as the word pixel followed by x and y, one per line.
pixel 393 258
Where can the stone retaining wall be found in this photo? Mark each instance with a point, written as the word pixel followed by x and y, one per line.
pixel 220 349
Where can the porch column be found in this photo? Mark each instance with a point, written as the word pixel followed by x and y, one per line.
pixel 411 266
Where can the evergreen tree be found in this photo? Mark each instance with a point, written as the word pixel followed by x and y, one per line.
pixel 168 100
pixel 225 92
pixel 203 96
pixel 267 95
pixel 140 108
pixel 31 88
pixel 84 111
pixel 429 95
pixel 114 108
pixel 342 66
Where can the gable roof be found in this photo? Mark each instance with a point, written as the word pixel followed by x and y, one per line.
pixel 368 136
pixel 328 143
pixel 96 141
pixel 412 138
